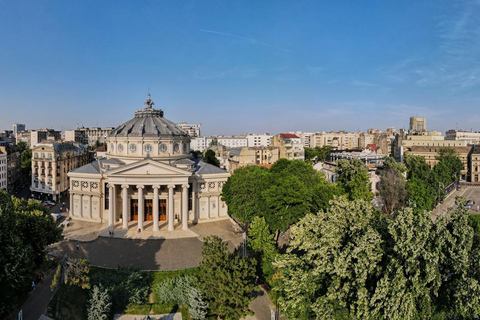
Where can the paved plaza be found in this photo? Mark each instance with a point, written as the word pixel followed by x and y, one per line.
pixel 147 250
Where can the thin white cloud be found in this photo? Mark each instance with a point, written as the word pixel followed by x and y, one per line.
pixel 243 38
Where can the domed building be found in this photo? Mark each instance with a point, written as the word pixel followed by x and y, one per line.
pixel 148 175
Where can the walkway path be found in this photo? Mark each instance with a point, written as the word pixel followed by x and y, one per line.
pixel 37 302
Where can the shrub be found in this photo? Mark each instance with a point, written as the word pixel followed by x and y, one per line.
pixel 56 277
pixel 100 304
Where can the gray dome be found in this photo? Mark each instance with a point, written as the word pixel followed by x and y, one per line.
pixel 148 122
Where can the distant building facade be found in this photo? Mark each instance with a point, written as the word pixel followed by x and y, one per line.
pixel 193 130
pixel 3 171
pixel 471 137
pixel 51 162
pixel 259 156
pixel 417 125
pixel 290 146
pixel 14 165
pixel 40 135
pixel 17 127
pixel 91 137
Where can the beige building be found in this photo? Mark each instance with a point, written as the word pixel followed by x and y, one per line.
pixel 51 161
pixel 260 156
pixel 88 136
pixel 148 174
pixel 475 164
pixel 430 153
pixel 337 140
pixel 290 146
pixel 417 125
pixel 193 130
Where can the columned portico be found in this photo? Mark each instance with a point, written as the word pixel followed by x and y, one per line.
pixel 185 206
pixel 111 205
pixel 170 207
pixel 141 207
pixel 155 207
pixel 125 207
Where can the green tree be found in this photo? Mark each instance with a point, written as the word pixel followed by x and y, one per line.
pixel 211 158
pixel 262 244
pixel 293 189
pixel 459 293
pixel 417 167
pixel 243 194
pixel 353 179
pixel 332 258
pixel 226 281
pixel 15 257
pixel 35 226
pixel 317 154
pixel 411 276
pixel 100 304
pixel 198 308
pixel 421 196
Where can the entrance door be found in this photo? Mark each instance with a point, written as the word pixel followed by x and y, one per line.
pixel 134 209
pixel 148 210
pixel 163 209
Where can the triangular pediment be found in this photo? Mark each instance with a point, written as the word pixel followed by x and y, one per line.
pixel 147 168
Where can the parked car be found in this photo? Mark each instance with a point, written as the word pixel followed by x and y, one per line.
pixel 56 216
pixel 50 203
pixel 469 204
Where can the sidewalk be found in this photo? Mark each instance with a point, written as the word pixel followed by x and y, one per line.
pixel 38 300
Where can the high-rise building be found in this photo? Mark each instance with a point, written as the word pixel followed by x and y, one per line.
pixel 418 125
pixel 17 127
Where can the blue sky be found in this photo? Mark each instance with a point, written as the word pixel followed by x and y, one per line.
pixel 241 66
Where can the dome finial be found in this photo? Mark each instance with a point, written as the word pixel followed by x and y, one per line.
pixel 149 103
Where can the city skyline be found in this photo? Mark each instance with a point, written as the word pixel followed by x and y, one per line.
pixel 241 67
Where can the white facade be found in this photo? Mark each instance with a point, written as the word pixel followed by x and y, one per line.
pixel 471 137
pixel 193 130
pixel 258 140
pixel 3 171
pixel 148 175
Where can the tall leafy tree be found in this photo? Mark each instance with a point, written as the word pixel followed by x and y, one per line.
pixel 35 226
pixel 332 258
pixel 226 281
pixel 15 257
pixel 243 193
pixel 262 244
pixel 353 179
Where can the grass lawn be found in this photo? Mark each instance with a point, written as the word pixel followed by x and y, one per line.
pixel 72 303
pixel 72 300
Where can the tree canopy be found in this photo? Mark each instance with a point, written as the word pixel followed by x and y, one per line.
pixel 211 158
pixel 353 179
pixel 350 262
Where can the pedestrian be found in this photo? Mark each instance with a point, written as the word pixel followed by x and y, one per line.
pixel 64 204
pixel 78 246
pixel 60 209
pixel 33 285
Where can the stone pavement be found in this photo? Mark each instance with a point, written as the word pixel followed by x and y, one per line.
pixel 469 192
pixel 147 250
pixel 171 316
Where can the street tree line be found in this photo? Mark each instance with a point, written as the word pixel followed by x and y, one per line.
pixel 26 229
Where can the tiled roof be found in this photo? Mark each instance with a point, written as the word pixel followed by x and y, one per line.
pixel 206 168
pixel 91 168
pixel 289 136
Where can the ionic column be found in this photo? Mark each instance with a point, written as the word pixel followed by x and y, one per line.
pixel 185 206
pixel 125 206
pixel 111 205
pixel 170 207
pixel 155 208
pixel 141 207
